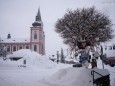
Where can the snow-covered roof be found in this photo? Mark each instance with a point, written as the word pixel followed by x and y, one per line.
pixel 15 40
pixel 103 72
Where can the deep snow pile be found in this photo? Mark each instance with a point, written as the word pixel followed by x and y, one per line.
pixel 33 59
pixel 46 72
pixel 73 77
pixel 24 53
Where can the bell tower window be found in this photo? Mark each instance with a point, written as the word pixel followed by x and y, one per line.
pixel 35 35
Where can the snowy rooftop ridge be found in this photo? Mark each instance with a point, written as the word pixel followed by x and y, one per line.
pixel 15 40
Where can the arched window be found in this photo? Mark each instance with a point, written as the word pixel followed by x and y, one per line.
pixel 35 47
pixel 14 48
pixel 35 35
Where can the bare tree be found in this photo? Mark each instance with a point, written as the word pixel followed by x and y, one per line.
pixel 86 23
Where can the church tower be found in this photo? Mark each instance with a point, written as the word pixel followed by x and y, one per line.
pixel 37 37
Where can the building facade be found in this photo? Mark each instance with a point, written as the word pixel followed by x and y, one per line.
pixel 36 42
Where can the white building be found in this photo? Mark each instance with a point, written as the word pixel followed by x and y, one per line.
pixel 109 48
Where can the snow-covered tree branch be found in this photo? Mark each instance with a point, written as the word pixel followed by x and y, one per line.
pixel 87 23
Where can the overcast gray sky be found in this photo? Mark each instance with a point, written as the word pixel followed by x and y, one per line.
pixel 17 16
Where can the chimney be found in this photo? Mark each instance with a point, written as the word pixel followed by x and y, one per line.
pixel 9 36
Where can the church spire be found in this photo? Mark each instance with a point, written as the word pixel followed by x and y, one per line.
pixel 38 16
pixel 38 20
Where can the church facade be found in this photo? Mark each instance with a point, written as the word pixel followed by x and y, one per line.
pixel 36 42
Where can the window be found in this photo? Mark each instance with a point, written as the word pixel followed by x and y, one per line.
pixel 14 48
pixel 8 49
pixel 114 47
pixel 27 47
pixel 35 47
pixel 35 35
pixel 20 47
pixel 110 47
pixel 105 47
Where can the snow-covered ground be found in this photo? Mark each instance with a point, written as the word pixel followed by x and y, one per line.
pixel 12 75
pixel 40 71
